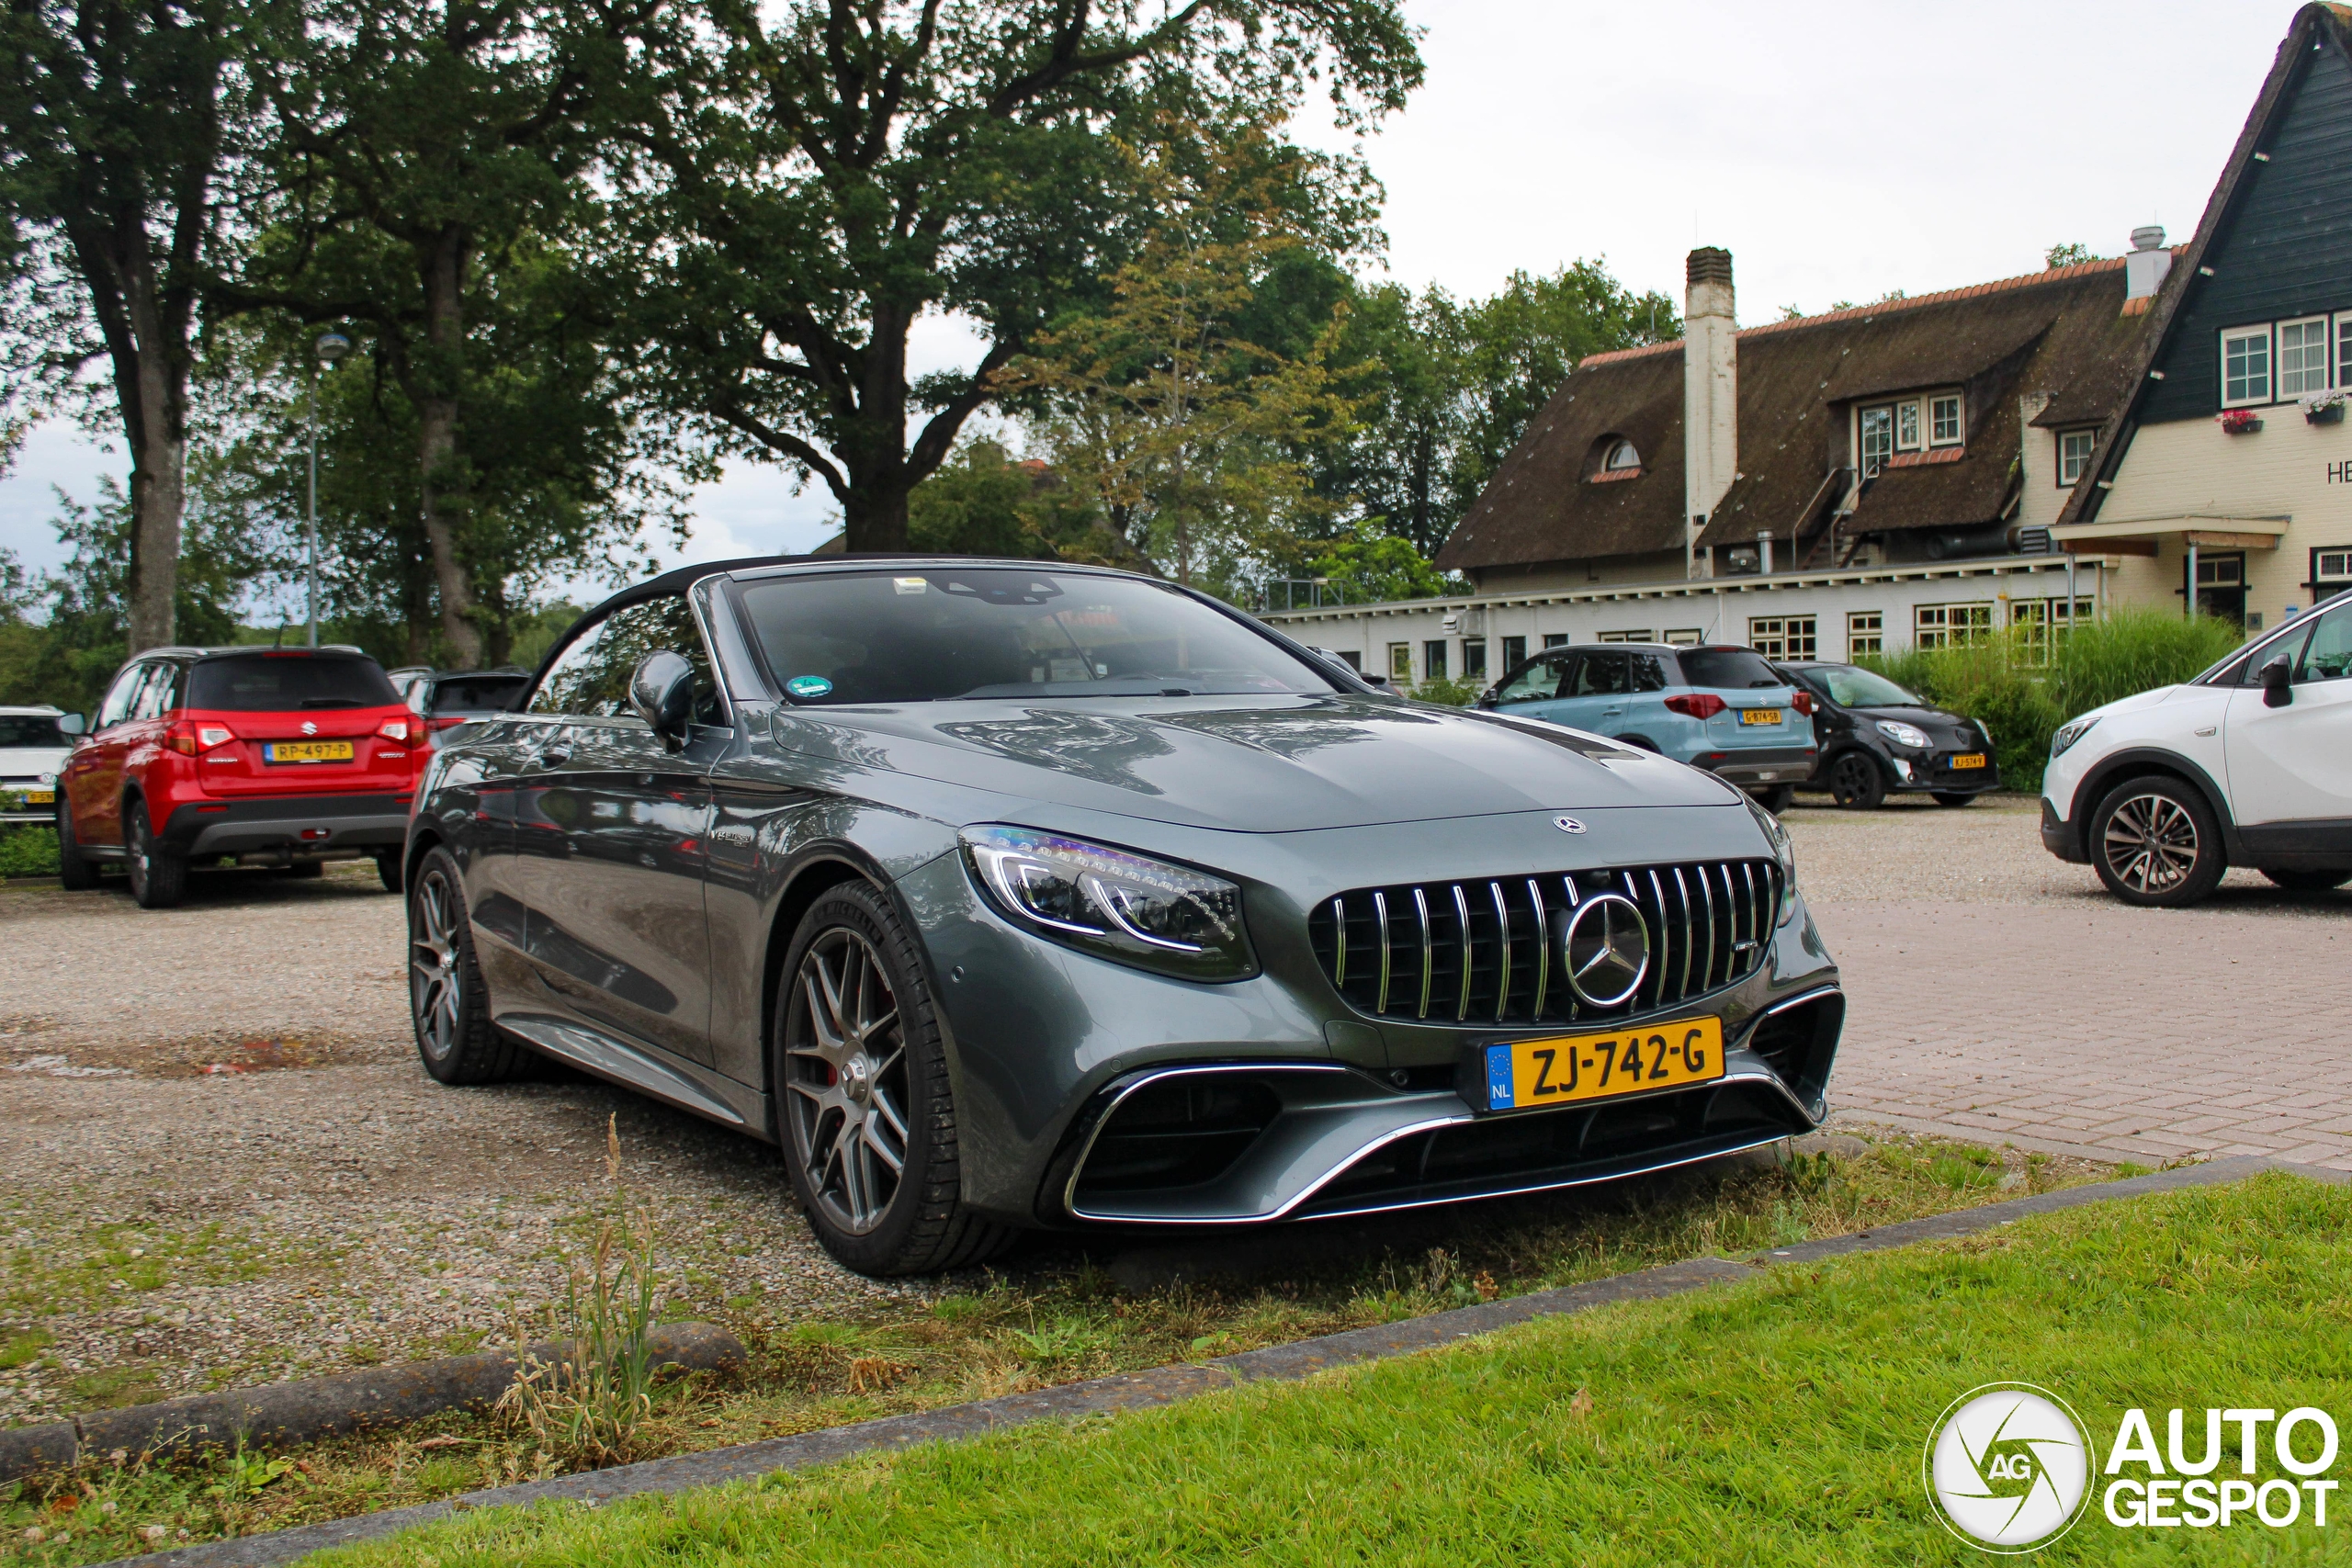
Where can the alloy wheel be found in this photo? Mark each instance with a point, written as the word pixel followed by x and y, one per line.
pixel 436 980
pixel 1851 780
pixel 845 1072
pixel 2151 843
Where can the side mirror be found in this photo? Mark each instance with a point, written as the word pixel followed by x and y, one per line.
pixel 662 693
pixel 1487 700
pixel 73 723
pixel 2278 677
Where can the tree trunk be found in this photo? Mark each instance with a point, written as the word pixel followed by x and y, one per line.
pixel 444 271
pixel 158 498
pixel 874 516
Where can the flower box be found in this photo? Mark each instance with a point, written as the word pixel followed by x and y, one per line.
pixel 2324 408
pixel 2239 421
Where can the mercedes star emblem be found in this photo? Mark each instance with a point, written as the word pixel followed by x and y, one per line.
pixel 1607 950
pixel 1568 824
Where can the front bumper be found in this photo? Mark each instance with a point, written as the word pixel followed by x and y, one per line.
pixel 1937 773
pixel 320 826
pixel 1775 765
pixel 2060 838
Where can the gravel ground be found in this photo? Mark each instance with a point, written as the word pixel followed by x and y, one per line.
pixel 221 1164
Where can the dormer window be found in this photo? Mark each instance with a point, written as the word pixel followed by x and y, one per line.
pixel 1943 419
pixel 1622 457
pixel 1907 427
pixel 1612 457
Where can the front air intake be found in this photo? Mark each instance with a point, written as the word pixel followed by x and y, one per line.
pixel 1519 950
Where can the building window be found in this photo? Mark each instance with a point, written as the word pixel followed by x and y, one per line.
pixel 1474 659
pixel 1878 440
pixel 1906 426
pixel 2344 349
pixel 1622 455
pixel 2245 366
pixel 1641 635
pixel 1865 632
pixel 2331 573
pixel 1352 660
pixel 2073 454
pixel 1514 652
pixel 1400 663
pixel 2039 621
pixel 1433 660
pixel 1556 640
pixel 1781 637
pixel 1952 626
pixel 1685 636
pixel 1943 420
pixel 2302 357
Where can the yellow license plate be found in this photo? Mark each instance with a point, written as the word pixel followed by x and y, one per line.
pixel 40 797
pixel 1760 716
pixel 1969 760
pixel 1524 1074
pixel 309 750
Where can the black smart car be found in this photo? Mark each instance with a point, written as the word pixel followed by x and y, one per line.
pixel 1875 737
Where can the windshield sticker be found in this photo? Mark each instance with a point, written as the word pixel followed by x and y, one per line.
pixel 807 685
pixel 908 584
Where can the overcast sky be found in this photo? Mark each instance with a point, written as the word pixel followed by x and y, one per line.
pixel 1839 148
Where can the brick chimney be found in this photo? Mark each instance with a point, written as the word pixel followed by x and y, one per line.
pixel 2145 267
pixel 1710 393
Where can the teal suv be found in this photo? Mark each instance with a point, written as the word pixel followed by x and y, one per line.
pixel 1723 709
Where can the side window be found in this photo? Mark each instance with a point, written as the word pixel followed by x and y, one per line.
pixel 592 676
pixel 1537 682
pixel 1649 672
pixel 121 694
pixel 161 693
pixel 1601 675
pixel 2328 655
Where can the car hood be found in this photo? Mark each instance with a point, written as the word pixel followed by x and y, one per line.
pixel 2137 700
pixel 1906 713
pixel 1252 764
pixel 21 762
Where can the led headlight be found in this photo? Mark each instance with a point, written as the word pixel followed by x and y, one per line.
pixel 2074 729
pixel 1903 734
pixel 1785 853
pixel 1114 903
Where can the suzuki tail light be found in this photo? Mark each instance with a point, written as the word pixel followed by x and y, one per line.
pixel 1697 705
pixel 1803 703
pixel 193 740
pixel 403 729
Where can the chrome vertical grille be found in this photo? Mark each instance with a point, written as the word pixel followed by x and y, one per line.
pixel 1488 951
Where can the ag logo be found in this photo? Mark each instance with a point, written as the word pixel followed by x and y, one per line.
pixel 2007 1467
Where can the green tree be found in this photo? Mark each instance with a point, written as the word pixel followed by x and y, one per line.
pixel 848 168
pixel 981 502
pixel 427 154
pixel 111 157
pixel 1373 567
pixel 2071 253
pixel 1190 436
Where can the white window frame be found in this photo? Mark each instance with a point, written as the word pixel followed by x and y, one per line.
pixel 2303 384
pixel 1908 426
pixel 1555 639
pixel 1861 421
pixel 1931 625
pixel 1400 662
pixel 1784 636
pixel 1865 627
pixel 1959 436
pixel 2343 348
pixel 2325 583
pixel 1685 636
pixel 2269 365
pixel 2089 438
pixel 1641 635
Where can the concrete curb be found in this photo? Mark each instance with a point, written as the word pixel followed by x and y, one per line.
pixel 1166 1385
pixel 279 1414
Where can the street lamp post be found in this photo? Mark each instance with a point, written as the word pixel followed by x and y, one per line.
pixel 330 348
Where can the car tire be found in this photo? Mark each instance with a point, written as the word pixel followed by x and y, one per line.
pixel 863 1104
pixel 2155 842
pixel 1777 799
pixel 1949 797
pixel 387 872
pixel 1856 781
pixel 448 1007
pixel 158 876
pixel 75 870
pixel 2309 881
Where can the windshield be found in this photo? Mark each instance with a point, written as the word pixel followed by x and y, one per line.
pixel 29 730
pixel 945 634
pixel 1727 668
pixel 1854 688
pixel 287 683
pixel 470 693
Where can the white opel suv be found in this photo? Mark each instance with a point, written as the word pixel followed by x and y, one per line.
pixel 2249 764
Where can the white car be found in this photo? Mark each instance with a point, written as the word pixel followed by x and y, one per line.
pixel 34 744
pixel 2249 764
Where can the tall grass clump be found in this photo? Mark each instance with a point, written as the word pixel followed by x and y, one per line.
pixel 2020 691
pixel 587 1408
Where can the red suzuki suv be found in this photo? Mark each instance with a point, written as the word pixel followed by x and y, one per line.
pixel 283 757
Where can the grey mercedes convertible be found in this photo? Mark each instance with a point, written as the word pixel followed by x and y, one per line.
pixel 1005 894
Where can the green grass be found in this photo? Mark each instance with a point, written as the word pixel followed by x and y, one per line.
pixel 1775 1422
pixel 2020 702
